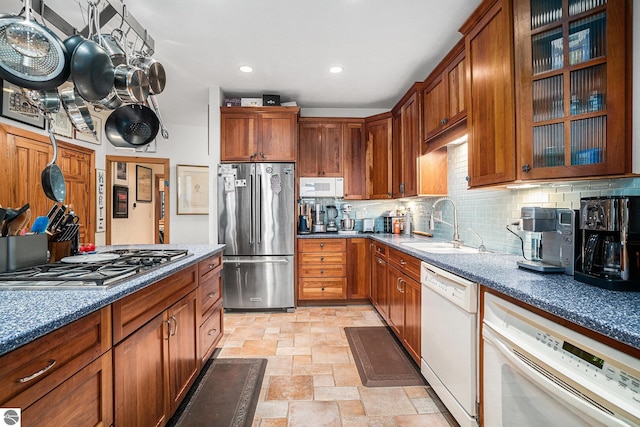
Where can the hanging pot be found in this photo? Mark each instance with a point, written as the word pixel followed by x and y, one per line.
pixel 77 110
pixel 52 179
pixel 154 70
pixel 111 44
pixel 47 101
pixel 31 55
pixel 132 125
pixel 131 83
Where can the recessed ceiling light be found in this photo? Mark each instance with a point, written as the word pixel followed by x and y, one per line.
pixel 335 70
pixel 246 69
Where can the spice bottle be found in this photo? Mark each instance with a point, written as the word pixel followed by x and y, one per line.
pixel 396 227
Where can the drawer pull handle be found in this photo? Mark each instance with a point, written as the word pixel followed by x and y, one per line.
pixel 175 331
pixel 212 266
pixel 322 245
pixel 37 374
pixel 321 271
pixel 403 262
pixel 321 258
pixel 213 331
pixel 379 261
pixel 213 294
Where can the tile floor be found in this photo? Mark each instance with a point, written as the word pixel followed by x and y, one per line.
pixel 311 378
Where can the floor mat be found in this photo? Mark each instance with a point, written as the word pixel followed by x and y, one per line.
pixel 380 359
pixel 225 394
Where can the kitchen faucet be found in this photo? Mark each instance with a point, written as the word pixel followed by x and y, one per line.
pixel 457 242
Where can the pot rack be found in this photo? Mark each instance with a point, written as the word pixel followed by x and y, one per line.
pixel 112 8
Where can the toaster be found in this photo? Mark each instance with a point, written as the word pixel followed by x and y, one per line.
pixel 368 225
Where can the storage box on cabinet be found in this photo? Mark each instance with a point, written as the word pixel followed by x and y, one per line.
pixel 322 269
pixel 33 370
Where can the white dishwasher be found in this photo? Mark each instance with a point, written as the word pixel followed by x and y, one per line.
pixel 449 343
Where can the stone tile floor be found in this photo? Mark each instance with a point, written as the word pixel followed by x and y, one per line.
pixel 311 378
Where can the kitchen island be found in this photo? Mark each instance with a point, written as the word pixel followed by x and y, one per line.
pixel 613 314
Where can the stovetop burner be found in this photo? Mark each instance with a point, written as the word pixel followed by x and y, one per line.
pixel 93 275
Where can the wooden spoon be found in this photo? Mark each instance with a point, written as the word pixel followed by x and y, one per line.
pixel 17 225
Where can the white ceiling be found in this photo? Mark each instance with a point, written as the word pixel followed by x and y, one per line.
pixel 384 46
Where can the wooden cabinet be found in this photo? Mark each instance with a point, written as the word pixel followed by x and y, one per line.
pixel 434 173
pixel 490 93
pixel 320 148
pixel 379 289
pixel 379 131
pixel 25 155
pixel 406 144
pixel 573 116
pixel 358 269
pixel 444 97
pixel 156 358
pixel 322 272
pixel 255 134
pixel 354 156
pixel 63 375
pixel 210 305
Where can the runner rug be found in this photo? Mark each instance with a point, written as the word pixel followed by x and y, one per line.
pixel 380 359
pixel 225 394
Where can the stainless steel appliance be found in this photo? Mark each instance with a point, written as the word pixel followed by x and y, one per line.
pixel 318 219
pixel 256 221
pixel 332 214
pixel 610 228
pixel 348 224
pixel 555 239
pixel 449 303
pixel 92 271
pixel 539 373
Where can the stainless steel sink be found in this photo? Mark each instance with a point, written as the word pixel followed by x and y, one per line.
pixel 440 248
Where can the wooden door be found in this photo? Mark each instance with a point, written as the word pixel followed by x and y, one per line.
pixel 412 317
pixel 491 114
pixel 238 137
pixel 309 142
pixel 456 87
pixel 397 163
pixel 395 283
pixel 277 133
pixel 379 155
pixel 330 152
pixel 358 269
pixel 78 175
pixel 141 376
pixel 183 352
pixel 379 294
pixel 410 123
pixel 435 106
pixel 354 148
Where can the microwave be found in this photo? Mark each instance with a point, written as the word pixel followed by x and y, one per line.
pixel 321 187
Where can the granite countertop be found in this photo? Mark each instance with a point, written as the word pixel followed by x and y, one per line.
pixel 26 315
pixel 610 313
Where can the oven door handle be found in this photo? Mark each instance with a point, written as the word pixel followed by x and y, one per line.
pixel 546 380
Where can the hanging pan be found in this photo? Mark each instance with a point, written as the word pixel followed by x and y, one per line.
pixel 52 179
pixel 31 55
pixel 132 125
pixel 77 110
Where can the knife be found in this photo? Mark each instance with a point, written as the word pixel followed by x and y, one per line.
pixel 57 219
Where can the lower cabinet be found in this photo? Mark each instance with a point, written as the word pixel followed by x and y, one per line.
pixel 322 269
pixel 358 270
pixel 379 291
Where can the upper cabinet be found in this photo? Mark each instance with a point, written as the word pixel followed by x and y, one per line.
pixel 354 155
pixel 444 95
pixel 573 87
pixel 406 144
pixel 379 140
pixel 490 94
pixel 320 148
pixel 259 134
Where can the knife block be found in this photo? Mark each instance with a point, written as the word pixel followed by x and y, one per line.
pixel 59 250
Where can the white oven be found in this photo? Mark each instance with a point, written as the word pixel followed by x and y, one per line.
pixel 539 373
pixel 449 343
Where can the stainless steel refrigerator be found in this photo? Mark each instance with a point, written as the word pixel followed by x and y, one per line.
pixel 256 222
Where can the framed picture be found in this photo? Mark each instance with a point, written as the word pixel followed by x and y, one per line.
pixel 62 125
pixel 120 201
pixel 120 173
pixel 88 137
pixel 16 107
pixel 101 182
pixel 143 184
pixel 193 190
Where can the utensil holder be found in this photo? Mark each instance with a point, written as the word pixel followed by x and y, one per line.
pixel 59 250
pixel 22 251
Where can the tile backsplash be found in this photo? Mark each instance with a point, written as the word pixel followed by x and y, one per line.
pixel 488 211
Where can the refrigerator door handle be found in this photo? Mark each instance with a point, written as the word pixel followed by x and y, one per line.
pixel 259 223
pixel 257 261
pixel 253 207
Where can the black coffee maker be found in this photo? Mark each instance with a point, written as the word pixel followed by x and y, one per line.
pixel 610 256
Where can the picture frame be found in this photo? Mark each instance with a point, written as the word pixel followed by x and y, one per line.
pixel 120 201
pixel 193 190
pixel 15 107
pixel 120 173
pixel 62 125
pixel 88 137
pixel 143 183
pixel 101 182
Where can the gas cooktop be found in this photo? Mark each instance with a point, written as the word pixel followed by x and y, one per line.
pixel 95 271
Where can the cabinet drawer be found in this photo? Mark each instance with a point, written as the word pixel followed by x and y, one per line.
pixel 211 331
pixel 133 311
pixel 329 270
pixel 323 258
pixel 210 291
pixel 406 263
pixel 323 289
pixel 380 249
pixel 322 245
pixel 31 371
pixel 209 266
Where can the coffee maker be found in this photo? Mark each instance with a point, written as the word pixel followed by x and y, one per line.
pixel 318 219
pixel 610 228
pixel 555 242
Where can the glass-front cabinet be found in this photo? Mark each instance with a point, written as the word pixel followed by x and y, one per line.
pixel 573 87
